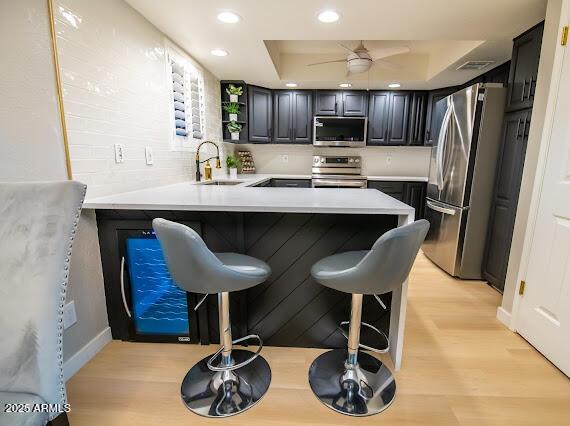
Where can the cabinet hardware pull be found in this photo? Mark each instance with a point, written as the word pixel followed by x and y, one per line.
pixel 526 127
pixel 200 302
pixel 127 310
pixel 532 87
pixel 519 134
pixel 564 39
pixel 523 90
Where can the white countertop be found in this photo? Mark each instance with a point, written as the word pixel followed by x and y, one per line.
pixel 194 196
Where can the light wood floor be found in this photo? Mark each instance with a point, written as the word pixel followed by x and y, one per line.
pixel 461 366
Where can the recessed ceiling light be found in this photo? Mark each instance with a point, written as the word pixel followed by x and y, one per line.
pixel 328 16
pixel 394 85
pixel 345 85
pixel 219 52
pixel 228 17
pixel 291 84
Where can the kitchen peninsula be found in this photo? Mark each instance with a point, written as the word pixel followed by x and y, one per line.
pixel 289 228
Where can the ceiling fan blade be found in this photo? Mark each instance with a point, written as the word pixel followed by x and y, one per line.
pixel 388 51
pixel 326 62
pixel 386 64
pixel 346 48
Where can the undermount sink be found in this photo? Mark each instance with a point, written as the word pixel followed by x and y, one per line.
pixel 221 182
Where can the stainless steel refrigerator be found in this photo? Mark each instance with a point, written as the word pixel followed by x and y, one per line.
pixel 462 173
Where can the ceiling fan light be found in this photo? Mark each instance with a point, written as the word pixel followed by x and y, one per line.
pixel 328 16
pixel 219 52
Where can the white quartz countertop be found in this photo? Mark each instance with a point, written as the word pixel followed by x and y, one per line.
pixel 242 197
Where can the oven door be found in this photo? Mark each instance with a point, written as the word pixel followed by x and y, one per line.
pixel 338 183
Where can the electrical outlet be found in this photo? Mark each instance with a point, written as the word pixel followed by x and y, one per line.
pixel 119 153
pixel 388 159
pixel 284 158
pixel 69 315
pixel 148 156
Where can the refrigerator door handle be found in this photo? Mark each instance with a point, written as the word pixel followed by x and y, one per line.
pixel 440 209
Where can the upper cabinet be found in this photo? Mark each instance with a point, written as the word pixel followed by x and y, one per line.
pixel 354 103
pixel 260 107
pixel 328 102
pixel 524 69
pixel 292 116
pixel 435 112
pixel 388 119
pixel 418 109
pixel 345 103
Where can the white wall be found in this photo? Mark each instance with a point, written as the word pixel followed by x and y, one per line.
pixel 31 141
pixel 550 41
pixel 384 161
pixel 116 90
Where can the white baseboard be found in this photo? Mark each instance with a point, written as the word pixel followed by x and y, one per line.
pixel 504 317
pixel 82 357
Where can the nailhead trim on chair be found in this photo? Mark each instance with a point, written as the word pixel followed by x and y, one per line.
pixel 63 291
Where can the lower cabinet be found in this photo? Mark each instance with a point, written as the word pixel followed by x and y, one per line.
pixel 505 197
pixel 286 183
pixel 411 193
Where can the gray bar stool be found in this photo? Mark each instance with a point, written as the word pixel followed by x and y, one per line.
pixel 346 380
pixel 229 381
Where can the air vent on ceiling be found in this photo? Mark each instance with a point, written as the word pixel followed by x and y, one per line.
pixel 474 65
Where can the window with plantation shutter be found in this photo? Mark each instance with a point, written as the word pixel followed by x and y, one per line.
pixel 187 100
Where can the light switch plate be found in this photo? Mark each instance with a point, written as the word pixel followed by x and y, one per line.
pixel 119 153
pixel 148 156
pixel 69 315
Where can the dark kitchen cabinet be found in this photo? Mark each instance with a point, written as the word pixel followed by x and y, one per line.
pixel 415 196
pixel 524 69
pixel 354 103
pixel 505 197
pixel 328 102
pixel 388 118
pixel 417 119
pixel 260 107
pixel 292 116
pixel 435 113
pixel 291 183
pixel 411 193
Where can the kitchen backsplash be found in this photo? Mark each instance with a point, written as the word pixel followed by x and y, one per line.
pixel 383 161
pixel 115 91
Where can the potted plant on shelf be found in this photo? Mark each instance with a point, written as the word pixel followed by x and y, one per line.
pixel 232 108
pixel 234 128
pixel 234 92
pixel 232 162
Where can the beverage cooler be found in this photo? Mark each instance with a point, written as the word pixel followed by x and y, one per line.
pixel 143 302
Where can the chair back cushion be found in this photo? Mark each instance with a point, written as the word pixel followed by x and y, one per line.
pixel 37 226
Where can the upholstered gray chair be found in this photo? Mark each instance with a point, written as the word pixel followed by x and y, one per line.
pixel 346 380
pixel 229 381
pixel 37 226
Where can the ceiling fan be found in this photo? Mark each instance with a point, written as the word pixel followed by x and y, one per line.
pixel 360 59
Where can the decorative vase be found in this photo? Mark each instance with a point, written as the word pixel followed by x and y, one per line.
pixel 233 98
pixel 233 117
pixel 235 136
pixel 233 172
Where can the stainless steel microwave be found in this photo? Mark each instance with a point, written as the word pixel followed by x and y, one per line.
pixel 339 131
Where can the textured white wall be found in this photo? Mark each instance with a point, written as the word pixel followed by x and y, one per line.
pixel 31 142
pixel 385 161
pixel 115 91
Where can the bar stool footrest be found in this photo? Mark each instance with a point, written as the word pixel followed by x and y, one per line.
pixel 363 346
pixel 232 367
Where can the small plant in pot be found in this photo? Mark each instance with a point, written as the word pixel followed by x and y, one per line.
pixel 232 162
pixel 234 129
pixel 232 108
pixel 234 92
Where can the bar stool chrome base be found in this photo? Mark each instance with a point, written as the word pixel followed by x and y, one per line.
pixel 361 390
pixel 225 393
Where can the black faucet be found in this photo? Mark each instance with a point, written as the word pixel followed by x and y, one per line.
pixel 198 162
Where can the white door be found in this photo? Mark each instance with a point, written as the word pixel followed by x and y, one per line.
pixel 544 311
